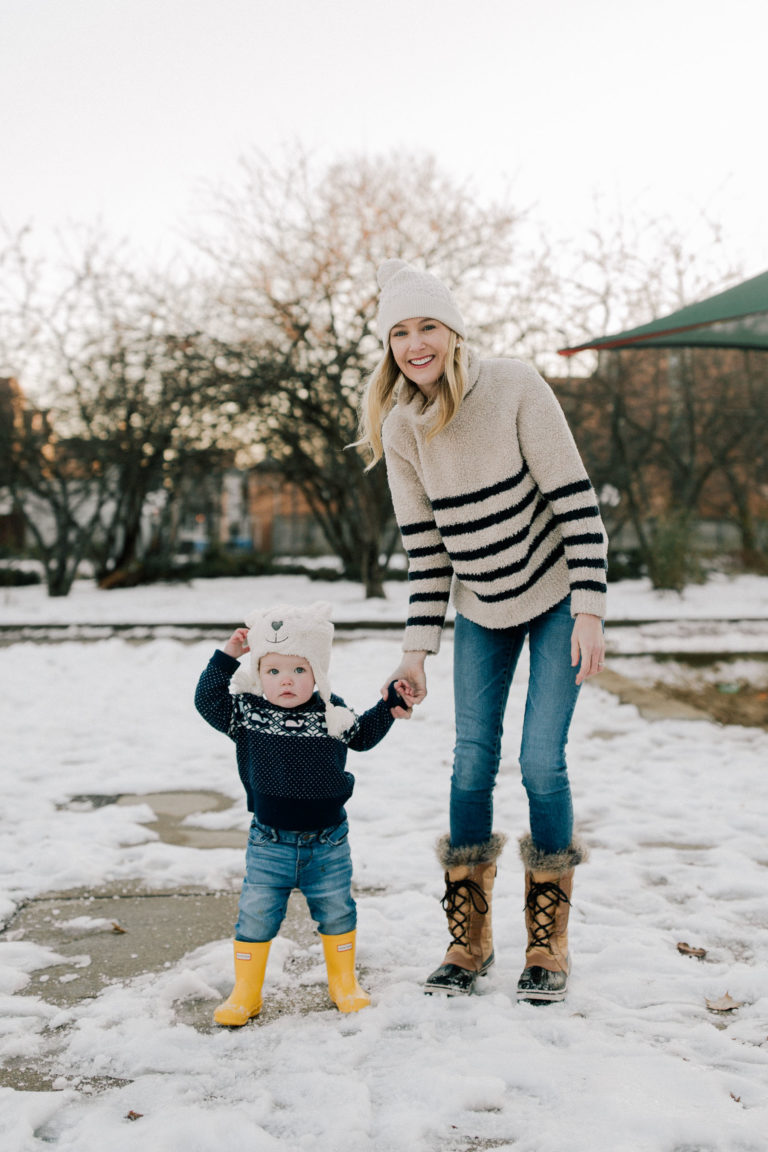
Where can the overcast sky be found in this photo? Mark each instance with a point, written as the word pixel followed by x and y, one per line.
pixel 120 110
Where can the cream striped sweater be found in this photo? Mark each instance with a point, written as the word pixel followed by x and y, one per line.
pixel 497 506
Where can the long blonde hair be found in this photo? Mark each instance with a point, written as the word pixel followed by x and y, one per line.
pixel 382 387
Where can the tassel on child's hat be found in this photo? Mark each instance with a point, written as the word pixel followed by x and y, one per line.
pixel 294 631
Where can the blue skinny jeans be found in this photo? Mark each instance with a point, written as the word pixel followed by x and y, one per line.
pixel 483 666
pixel 318 863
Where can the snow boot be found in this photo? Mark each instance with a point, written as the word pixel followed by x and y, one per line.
pixel 343 987
pixel 469 874
pixel 548 888
pixel 245 998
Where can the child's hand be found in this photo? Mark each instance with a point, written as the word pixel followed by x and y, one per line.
pixel 410 669
pixel 401 699
pixel 237 645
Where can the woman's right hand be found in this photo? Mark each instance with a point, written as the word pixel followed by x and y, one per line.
pixel 411 669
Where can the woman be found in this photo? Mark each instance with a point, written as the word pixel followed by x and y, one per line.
pixel 492 499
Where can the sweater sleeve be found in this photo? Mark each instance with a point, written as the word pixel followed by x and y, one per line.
pixel 370 728
pixel 429 566
pixel 555 464
pixel 212 697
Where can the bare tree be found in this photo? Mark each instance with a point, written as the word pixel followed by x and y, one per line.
pixel 122 407
pixel 59 488
pixel 679 436
pixel 661 429
pixel 295 256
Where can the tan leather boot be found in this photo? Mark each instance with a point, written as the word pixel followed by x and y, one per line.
pixel 470 871
pixel 548 888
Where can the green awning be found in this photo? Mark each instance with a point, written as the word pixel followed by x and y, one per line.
pixel 736 318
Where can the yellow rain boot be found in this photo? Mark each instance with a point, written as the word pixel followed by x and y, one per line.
pixel 345 991
pixel 245 998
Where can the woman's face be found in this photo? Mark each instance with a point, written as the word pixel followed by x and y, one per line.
pixel 420 348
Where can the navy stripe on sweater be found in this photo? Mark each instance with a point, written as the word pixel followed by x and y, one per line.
pixel 424 621
pixel 566 490
pixel 511 593
pixel 590 585
pixel 508 513
pixel 430 574
pixel 418 526
pixel 578 514
pixel 584 538
pixel 481 493
pixel 428 550
pixel 508 569
pixel 499 545
pixel 575 562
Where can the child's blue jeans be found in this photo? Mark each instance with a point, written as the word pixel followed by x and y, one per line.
pixel 484 661
pixel 318 863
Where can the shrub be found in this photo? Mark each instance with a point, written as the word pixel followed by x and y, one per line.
pixel 673 562
pixel 17 577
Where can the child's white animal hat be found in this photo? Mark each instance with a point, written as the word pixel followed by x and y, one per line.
pixel 294 631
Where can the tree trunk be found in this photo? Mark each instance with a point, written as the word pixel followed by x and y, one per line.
pixel 59 574
pixel 371 572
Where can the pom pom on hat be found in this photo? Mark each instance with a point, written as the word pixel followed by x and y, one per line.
pixel 293 631
pixel 406 292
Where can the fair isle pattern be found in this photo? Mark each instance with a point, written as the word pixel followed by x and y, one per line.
pixel 289 783
pixel 498 506
pixel 255 714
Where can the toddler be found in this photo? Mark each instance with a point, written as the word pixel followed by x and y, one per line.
pixel 291 736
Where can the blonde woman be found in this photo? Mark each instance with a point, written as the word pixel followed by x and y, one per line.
pixel 494 505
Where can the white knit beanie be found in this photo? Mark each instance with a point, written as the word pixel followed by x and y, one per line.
pixel 406 292
pixel 293 631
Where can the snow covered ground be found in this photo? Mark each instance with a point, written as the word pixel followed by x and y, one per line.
pixel 675 812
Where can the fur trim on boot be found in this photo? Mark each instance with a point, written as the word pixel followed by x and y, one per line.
pixel 467 855
pixel 548 888
pixel 470 870
pixel 558 862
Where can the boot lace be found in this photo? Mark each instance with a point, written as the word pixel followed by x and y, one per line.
pixel 542 902
pixel 461 896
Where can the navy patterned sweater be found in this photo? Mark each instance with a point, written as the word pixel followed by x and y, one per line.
pixel 293 772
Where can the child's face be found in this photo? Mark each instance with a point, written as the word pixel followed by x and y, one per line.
pixel 287 681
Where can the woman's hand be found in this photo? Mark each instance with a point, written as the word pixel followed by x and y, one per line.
pixel 587 646
pixel 237 645
pixel 411 671
pixel 401 689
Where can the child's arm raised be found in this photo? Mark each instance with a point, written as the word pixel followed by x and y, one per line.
pixel 212 698
pixel 237 645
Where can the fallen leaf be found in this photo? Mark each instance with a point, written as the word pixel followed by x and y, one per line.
pixel 724 1004
pixel 133 1115
pixel 688 950
pixel 118 928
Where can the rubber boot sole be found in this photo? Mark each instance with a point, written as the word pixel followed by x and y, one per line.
pixel 450 980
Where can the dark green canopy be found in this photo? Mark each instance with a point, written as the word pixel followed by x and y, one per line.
pixel 736 318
